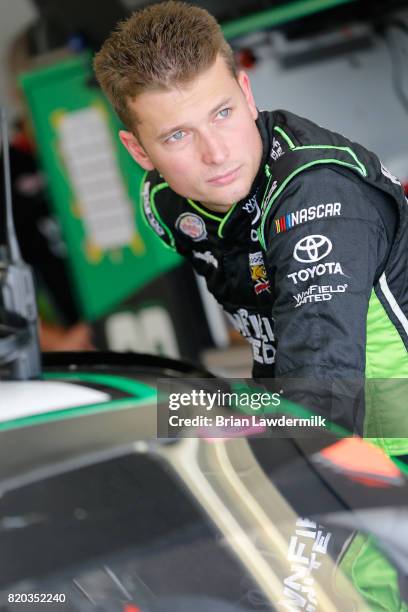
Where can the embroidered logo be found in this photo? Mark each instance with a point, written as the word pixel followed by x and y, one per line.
pixel 258 272
pixel 148 211
pixel 192 226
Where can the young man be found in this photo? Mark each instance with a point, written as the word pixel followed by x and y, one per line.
pixel 301 235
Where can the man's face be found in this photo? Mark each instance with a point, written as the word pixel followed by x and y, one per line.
pixel 201 137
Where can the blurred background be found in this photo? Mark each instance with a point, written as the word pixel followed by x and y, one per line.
pixel 104 281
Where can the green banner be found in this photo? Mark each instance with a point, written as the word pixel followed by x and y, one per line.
pixel 94 186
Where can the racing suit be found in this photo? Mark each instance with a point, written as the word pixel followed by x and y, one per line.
pixel 311 267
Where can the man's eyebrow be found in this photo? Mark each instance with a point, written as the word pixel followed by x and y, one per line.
pixel 165 134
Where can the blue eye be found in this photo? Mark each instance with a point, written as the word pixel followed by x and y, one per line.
pixel 176 137
pixel 225 112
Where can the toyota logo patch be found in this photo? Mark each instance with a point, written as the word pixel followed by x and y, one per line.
pixel 312 248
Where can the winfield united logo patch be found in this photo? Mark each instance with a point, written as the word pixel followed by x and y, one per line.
pixel 192 225
pixel 258 272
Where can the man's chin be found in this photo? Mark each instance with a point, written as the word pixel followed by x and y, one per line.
pixel 223 201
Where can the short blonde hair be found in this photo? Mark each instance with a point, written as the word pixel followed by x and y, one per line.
pixel 157 48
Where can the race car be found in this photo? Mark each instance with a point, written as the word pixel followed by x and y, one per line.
pixel 98 513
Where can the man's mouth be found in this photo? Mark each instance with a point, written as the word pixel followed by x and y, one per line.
pixel 226 178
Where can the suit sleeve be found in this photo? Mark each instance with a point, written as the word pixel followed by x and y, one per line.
pixel 325 245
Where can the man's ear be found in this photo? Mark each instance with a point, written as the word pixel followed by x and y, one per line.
pixel 131 143
pixel 244 83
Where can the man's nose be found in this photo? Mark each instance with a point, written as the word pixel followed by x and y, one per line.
pixel 214 150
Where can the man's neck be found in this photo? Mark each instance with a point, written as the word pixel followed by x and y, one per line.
pixel 221 209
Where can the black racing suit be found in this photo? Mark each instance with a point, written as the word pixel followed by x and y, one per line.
pixel 311 267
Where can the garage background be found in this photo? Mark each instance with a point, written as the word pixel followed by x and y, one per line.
pixel 341 63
